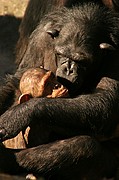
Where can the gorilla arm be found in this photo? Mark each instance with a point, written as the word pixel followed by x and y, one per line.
pixel 92 114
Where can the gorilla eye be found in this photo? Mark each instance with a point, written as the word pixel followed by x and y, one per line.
pixel 53 33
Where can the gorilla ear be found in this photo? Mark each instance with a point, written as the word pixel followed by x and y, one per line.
pixel 106 46
pixel 24 98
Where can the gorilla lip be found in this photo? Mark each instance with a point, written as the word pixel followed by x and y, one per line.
pixel 2 134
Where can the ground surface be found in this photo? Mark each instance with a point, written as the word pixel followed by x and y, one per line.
pixel 14 7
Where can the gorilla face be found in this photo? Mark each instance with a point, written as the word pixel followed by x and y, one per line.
pixel 74 44
pixel 80 42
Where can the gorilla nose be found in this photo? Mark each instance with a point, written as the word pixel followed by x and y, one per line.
pixel 2 133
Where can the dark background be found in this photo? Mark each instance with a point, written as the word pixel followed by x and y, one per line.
pixel 11 12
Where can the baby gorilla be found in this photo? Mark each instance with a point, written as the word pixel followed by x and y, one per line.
pixel 38 82
pixel 35 82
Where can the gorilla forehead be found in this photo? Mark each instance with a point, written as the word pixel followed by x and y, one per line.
pixel 86 14
pixel 87 21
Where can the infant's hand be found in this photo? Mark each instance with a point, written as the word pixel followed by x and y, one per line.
pixel 60 92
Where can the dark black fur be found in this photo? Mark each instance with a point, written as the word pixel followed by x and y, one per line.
pixel 34 12
pixel 67 42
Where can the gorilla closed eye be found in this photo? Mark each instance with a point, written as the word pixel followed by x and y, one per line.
pixel 53 33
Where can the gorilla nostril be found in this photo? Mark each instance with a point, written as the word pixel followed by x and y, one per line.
pixel 2 133
pixel 65 69
pixel 71 71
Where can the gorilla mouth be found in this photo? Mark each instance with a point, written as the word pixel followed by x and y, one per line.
pixel 73 88
pixel 70 74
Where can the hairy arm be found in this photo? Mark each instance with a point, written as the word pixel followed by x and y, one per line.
pixel 7 93
pixel 93 113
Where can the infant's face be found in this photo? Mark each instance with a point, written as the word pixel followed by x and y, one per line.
pixel 38 82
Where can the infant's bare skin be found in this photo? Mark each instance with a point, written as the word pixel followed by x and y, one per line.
pixel 38 82
pixel 35 82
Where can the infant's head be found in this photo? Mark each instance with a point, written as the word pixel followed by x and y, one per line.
pixel 38 82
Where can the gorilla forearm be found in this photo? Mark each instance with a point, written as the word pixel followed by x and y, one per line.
pixel 63 154
pixel 94 114
pixel 48 158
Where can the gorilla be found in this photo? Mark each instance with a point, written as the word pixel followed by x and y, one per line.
pixel 80 45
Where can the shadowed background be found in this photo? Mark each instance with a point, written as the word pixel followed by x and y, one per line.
pixel 11 12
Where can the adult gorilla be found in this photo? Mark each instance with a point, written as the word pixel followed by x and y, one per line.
pixel 80 45
pixel 37 9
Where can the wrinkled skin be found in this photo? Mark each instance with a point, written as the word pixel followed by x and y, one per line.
pixel 38 82
pixel 80 45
